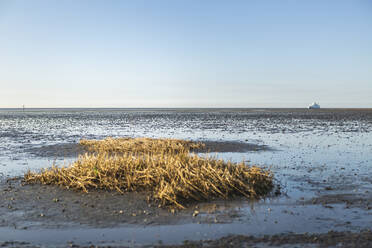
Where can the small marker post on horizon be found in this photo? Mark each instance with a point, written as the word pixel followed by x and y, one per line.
pixel 23 108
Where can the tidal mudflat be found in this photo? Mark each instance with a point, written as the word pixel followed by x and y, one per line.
pixel 320 158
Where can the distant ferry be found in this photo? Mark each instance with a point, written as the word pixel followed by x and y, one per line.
pixel 314 105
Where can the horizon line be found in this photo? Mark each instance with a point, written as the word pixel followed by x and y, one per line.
pixel 36 108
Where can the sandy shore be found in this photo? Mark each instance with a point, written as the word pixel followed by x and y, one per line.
pixel 51 204
pixel 54 207
pixel 25 206
pixel 331 239
pixel 327 206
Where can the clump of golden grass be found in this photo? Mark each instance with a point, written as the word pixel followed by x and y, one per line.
pixel 140 145
pixel 162 167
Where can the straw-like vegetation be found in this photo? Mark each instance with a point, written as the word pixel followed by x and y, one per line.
pixel 140 145
pixel 162 167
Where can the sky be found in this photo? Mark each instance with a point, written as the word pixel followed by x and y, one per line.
pixel 185 53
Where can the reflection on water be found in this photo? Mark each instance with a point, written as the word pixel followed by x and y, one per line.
pixel 311 151
pixel 293 131
pixel 260 221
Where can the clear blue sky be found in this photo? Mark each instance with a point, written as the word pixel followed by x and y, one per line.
pixel 185 53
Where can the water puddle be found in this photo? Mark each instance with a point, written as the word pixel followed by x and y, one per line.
pixel 312 154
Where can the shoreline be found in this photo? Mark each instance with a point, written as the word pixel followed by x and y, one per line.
pixel 33 210
pixel 322 160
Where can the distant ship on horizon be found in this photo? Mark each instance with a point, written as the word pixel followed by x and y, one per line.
pixel 314 105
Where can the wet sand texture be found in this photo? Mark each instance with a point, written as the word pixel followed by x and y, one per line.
pixel 325 170
pixel 361 239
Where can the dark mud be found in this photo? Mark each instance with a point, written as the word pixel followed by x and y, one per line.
pixel 32 207
pixel 74 149
pixel 231 146
pixel 322 158
pixel 52 206
pixel 330 239
pixel 361 239
pixel 349 200
pixel 58 150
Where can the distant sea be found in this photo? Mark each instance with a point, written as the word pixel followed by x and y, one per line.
pixel 21 130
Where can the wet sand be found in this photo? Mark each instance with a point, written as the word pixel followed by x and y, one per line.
pixel 362 239
pixel 51 204
pixel 325 206
pixel 330 239
pixel 29 206
pixel 34 207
